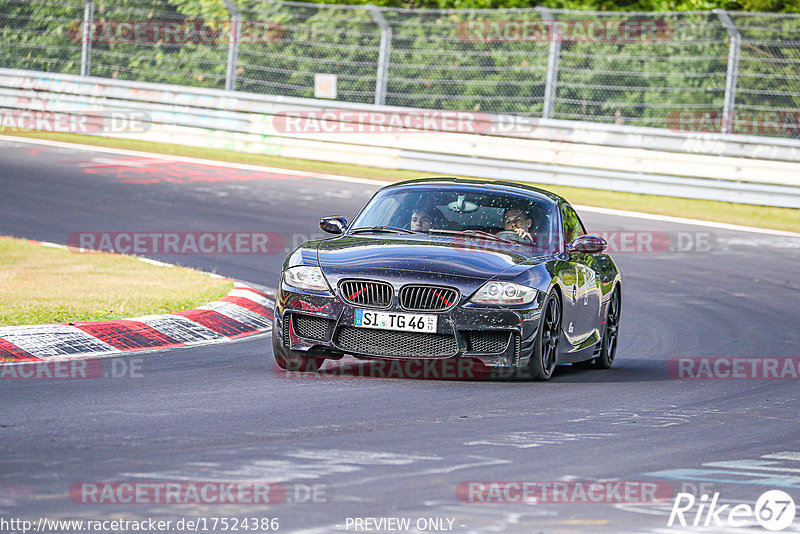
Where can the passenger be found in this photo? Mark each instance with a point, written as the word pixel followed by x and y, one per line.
pixel 421 221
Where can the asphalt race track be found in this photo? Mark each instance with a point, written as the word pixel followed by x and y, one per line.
pixel 398 447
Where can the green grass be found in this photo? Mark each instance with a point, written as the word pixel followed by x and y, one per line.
pixel 40 285
pixel 726 212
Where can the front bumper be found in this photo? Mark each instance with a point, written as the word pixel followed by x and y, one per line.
pixel 324 325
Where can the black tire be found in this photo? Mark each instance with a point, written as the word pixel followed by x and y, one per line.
pixel 544 356
pixel 608 349
pixel 294 360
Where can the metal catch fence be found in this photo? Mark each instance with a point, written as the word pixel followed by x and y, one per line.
pixel 709 71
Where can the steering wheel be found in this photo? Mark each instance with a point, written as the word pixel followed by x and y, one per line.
pixel 513 236
pixel 505 234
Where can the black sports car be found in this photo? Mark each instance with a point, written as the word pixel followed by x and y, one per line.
pixel 497 272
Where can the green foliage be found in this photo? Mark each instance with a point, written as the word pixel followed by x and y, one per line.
pixel 201 9
pixel 435 61
pixel 41 36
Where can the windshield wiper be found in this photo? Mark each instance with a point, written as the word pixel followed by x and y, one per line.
pixel 476 233
pixel 386 229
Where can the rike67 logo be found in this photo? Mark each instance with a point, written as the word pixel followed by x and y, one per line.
pixel 774 510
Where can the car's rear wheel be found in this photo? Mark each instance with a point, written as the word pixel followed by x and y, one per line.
pixel 608 349
pixel 545 350
pixel 293 360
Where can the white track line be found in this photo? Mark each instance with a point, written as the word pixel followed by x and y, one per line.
pixel 184 159
pixel 335 177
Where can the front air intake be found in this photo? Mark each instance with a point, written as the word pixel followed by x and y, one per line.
pixel 427 298
pixel 367 293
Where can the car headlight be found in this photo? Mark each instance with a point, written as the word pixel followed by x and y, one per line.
pixel 504 293
pixel 305 277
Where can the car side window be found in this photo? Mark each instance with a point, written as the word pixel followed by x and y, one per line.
pixel 572 224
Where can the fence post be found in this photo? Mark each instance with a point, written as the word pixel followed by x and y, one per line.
pixel 382 77
pixel 551 80
pixel 86 37
pixel 233 45
pixel 729 105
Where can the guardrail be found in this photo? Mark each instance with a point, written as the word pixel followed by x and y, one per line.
pixel 734 168
pixel 613 67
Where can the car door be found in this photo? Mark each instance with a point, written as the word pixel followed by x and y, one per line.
pixel 591 296
pixel 585 316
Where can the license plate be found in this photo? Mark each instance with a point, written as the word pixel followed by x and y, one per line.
pixel 405 322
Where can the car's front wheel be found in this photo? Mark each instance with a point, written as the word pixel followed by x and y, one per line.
pixel 293 360
pixel 545 350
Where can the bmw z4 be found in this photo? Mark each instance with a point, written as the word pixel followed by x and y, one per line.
pixel 433 269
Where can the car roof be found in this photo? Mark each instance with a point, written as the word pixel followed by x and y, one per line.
pixel 497 185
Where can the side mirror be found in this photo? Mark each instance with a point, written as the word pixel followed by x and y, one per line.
pixel 587 244
pixel 333 225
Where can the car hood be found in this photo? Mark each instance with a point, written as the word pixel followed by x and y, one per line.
pixel 438 257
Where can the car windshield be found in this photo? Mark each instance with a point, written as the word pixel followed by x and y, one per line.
pixel 456 210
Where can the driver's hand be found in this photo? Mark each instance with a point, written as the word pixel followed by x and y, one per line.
pixel 523 234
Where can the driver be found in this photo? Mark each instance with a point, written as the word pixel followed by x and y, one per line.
pixel 517 221
pixel 421 220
